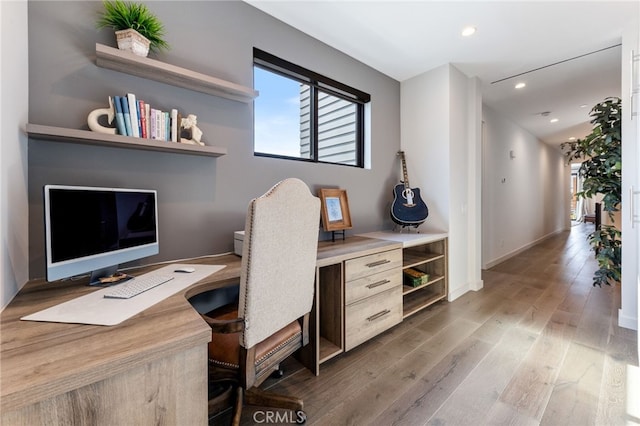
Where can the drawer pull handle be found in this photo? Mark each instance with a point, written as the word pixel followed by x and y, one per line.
pixel 378 263
pixel 378 315
pixel 378 284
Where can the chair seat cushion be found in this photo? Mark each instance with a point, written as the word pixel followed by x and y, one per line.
pixel 224 348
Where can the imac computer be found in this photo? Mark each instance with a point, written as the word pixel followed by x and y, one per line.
pixel 93 230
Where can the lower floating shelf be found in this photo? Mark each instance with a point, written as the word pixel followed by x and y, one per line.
pixel 86 137
pixel 421 300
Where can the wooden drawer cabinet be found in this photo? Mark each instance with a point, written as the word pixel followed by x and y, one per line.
pixel 372 285
pixel 371 316
pixel 426 253
pixel 371 264
pixel 373 295
pixel 358 295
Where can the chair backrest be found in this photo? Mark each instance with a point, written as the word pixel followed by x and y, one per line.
pixel 278 259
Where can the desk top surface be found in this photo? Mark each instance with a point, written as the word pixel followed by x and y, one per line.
pixel 39 360
pixel 42 359
pixel 408 239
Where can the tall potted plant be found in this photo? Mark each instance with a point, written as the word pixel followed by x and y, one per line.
pixel 601 170
pixel 137 29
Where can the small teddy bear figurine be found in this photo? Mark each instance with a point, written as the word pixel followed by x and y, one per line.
pixel 190 122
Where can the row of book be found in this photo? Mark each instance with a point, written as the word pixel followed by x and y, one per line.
pixel 136 118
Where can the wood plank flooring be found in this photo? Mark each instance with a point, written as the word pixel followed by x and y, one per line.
pixel 538 345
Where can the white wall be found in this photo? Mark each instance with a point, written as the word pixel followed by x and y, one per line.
pixel 628 314
pixel 525 198
pixel 424 124
pixel 474 184
pixel 14 90
pixel 464 203
pixel 440 135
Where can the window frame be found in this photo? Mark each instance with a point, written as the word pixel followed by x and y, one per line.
pixel 316 82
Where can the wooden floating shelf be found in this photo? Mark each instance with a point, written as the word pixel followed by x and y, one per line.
pixel 122 61
pixel 59 134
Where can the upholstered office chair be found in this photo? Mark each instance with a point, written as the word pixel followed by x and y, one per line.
pixel 276 294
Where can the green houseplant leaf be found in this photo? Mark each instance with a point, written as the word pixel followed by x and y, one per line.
pixel 601 171
pixel 121 15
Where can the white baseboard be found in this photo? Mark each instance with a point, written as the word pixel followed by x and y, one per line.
pixel 471 286
pixel 477 286
pixel 515 252
pixel 626 321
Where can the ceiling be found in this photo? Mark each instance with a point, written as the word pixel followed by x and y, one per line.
pixel 567 53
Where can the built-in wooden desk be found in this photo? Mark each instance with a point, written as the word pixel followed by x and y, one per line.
pixel 150 369
pixel 147 370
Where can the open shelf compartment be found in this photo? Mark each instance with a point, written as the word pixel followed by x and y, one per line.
pixel 422 299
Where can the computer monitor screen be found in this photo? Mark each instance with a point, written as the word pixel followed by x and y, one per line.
pixel 90 229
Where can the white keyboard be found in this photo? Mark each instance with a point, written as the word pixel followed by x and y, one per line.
pixel 137 285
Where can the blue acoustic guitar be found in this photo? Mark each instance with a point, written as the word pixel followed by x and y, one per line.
pixel 407 209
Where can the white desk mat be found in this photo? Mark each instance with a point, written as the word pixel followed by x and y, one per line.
pixel 94 308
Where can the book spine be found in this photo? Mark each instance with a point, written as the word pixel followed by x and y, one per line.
pixel 179 124
pixel 143 120
pixel 127 117
pixel 174 125
pixel 167 126
pixel 158 124
pixel 133 114
pixel 152 124
pixel 117 103
pixel 163 135
pixel 137 102
pixel 147 111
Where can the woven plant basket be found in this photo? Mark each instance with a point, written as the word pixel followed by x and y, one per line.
pixel 132 41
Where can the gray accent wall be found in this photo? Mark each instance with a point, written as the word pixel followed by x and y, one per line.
pixel 202 200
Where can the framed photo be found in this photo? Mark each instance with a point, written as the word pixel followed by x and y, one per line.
pixel 335 209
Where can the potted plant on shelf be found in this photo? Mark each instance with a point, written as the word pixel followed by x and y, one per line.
pixel 601 169
pixel 137 29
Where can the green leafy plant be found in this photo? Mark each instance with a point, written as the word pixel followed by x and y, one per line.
pixel 601 171
pixel 121 15
pixel 608 246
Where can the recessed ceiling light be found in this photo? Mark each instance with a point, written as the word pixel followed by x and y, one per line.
pixel 520 85
pixel 467 31
pixel 572 138
pixel 583 106
pixel 553 120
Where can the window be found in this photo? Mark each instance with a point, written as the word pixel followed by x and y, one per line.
pixel 306 116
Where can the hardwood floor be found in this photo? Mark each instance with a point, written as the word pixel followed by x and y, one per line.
pixel 538 345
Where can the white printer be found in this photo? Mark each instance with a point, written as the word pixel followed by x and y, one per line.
pixel 238 239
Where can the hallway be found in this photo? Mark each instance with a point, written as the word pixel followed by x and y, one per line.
pixel 538 345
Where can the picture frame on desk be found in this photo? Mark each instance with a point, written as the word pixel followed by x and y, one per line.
pixel 334 209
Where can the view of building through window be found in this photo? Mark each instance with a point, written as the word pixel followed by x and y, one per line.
pixel 337 121
pixel 295 119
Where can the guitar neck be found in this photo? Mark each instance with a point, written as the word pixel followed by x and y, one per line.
pixel 405 175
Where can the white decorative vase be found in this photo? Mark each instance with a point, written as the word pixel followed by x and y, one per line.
pixel 132 41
